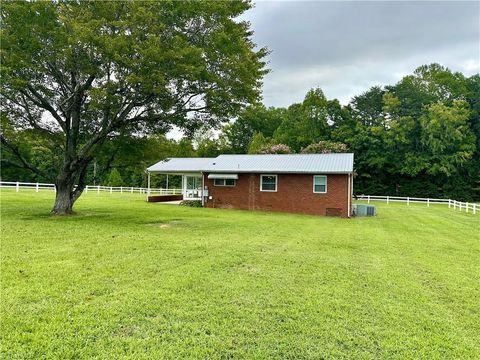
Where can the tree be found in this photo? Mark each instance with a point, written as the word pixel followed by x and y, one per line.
pixel 114 178
pixel 255 119
pixel 184 149
pixel 310 121
pixel 82 73
pixel 325 147
pixel 258 142
pixel 447 137
pixel 275 149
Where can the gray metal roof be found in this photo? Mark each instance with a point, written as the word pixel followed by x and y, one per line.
pixel 179 165
pixel 278 163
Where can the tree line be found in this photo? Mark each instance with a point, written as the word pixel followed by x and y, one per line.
pixel 419 137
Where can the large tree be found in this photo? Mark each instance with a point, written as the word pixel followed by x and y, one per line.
pixel 82 73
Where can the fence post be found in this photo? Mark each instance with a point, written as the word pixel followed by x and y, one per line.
pixel 131 190
pixel 369 199
pixel 449 203
pixel 474 209
pixel 466 207
pixel 36 187
pixel 428 202
pixel 110 189
pixel 408 201
pixel 388 200
pixel 17 187
pixel 86 189
pixel 121 189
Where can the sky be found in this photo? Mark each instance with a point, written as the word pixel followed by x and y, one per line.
pixel 347 47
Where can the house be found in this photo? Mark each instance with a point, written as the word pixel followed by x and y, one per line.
pixel 319 184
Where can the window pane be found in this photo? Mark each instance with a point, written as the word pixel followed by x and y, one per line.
pixel 320 183
pixel 218 182
pixel 320 180
pixel 269 183
pixel 320 188
pixel 230 182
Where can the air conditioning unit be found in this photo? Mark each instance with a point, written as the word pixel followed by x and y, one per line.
pixel 364 210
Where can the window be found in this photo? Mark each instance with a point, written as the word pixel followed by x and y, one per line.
pixel 319 184
pixel 268 183
pixel 224 182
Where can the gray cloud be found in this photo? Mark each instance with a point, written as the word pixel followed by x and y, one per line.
pixel 347 47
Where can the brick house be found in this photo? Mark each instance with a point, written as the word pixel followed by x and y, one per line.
pixel 318 184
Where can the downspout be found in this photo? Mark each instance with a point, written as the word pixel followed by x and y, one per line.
pixel 349 196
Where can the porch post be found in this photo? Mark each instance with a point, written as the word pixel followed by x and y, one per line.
pixel 148 184
pixel 183 187
pixel 167 181
pixel 203 188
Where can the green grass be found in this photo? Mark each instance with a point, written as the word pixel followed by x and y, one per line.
pixel 127 279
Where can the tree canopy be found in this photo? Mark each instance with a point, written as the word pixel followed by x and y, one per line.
pixel 79 74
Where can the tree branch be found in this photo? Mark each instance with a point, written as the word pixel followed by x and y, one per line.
pixel 40 101
pixel 16 151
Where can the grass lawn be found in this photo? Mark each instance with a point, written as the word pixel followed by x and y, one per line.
pixel 127 279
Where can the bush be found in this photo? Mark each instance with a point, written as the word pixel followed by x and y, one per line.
pixel 191 203
pixel 325 147
pixel 275 149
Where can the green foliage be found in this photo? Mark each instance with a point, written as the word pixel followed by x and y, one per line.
pixel 275 149
pixel 114 178
pixel 84 73
pixel 184 149
pixel 448 140
pixel 258 143
pixel 191 203
pixel 126 279
pixel 255 119
pixel 325 147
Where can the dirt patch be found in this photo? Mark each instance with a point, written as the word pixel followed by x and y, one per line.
pixel 165 225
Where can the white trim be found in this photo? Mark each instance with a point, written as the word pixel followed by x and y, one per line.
pixel 276 182
pixel 326 182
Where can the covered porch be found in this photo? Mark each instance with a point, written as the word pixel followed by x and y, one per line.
pixel 191 188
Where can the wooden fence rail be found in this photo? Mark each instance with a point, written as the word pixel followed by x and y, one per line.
pixel 90 188
pixel 456 205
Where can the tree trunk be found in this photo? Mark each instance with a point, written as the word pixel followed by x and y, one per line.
pixel 69 186
pixel 64 196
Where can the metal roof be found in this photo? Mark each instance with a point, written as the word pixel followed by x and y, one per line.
pixel 277 163
pixel 180 165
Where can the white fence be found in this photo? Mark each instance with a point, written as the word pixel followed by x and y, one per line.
pixel 456 205
pixel 90 188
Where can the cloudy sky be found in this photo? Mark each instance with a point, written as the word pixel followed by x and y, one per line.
pixel 347 47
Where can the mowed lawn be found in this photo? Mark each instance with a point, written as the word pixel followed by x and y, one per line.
pixel 127 279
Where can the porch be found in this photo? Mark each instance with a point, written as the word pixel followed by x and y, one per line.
pixel 191 188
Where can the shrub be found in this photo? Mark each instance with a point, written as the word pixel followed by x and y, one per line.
pixel 325 147
pixel 275 149
pixel 191 203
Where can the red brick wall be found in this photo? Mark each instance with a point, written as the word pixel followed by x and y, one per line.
pixel 294 194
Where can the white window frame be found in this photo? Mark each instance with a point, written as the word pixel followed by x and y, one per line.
pixel 326 184
pixel 276 182
pixel 225 182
